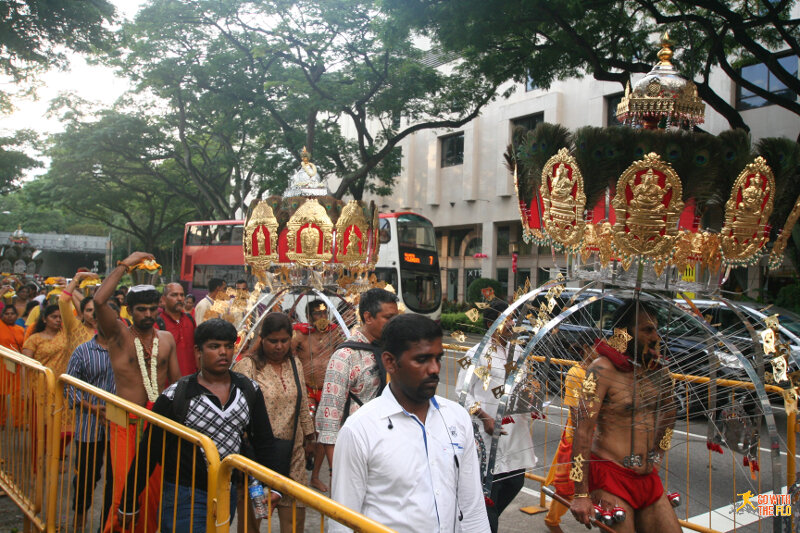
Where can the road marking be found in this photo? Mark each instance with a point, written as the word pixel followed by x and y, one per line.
pixel 721 518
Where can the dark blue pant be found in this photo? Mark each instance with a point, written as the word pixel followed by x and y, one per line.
pixel 185 513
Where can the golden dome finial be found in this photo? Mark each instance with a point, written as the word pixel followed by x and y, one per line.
pixel 665 54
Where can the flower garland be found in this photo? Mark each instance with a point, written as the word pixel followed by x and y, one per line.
pixel 150 382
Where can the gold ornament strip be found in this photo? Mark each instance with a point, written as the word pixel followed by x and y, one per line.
pixel 666 440
pixel 776 256
pixel 576 472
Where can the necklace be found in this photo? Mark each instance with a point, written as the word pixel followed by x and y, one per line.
pixel 150 382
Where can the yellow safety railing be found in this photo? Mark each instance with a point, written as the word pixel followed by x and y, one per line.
pixel 25 392
pixel 36 414
pixel 126 428
pixel 287 487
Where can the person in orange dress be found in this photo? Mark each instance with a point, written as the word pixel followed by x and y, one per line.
pixel 48 342
pixel 11 337
pixel 558 476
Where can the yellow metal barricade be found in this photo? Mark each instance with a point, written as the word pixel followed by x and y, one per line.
pixel 26 389
pixel 140 454
pixel 326 507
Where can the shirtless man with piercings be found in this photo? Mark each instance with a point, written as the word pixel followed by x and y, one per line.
pixel 623 427
pixel 313 343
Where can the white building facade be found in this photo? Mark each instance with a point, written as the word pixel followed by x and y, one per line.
pixel 458 178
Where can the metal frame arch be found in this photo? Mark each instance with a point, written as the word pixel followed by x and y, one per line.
pixel 275 296
pixel 766 407
pixel 470 371
pixel 510 379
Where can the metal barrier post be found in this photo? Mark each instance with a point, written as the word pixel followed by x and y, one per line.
pixel 118 411
pixel 27 387
pixel 791 445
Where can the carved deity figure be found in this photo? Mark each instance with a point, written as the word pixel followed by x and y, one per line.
pixel 748 212
pixel 309 240
pixel 648 195
pixel 261 238
pixel 353 244
pixel 563 202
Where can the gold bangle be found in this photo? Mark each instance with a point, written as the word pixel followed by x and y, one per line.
pixel 584 495
pixel 127 268
pixel 475 408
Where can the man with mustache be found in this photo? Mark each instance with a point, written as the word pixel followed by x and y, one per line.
pixel 407 459
pixel 313 343
pixel 627 396
pixel 131 351
pixel 181 324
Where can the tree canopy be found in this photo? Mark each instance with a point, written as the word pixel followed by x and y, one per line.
pixel 119 170
pixel 36 34
pixel 609 39
pixel 245 84
pixel 14 162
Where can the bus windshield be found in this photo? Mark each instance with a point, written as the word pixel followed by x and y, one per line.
pixel 415 231
pixel 214 234
pixel 422 291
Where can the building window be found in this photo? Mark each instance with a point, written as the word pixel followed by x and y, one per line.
pixel 502 277
pixel 523 274
pixel 452 150
pixel 452 284
pixel 529 84
pixel 454 240
pixel 612 101
pixel 527 122
pixel 760 76
pixel 503 240
pixel 473 247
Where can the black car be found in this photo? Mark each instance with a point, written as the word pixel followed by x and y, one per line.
pixel 687 348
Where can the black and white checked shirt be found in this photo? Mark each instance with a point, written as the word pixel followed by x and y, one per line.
pixel 226 425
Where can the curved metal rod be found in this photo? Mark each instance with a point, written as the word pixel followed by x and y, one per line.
pixel 766 407
pixel 508 387
pixel 470 373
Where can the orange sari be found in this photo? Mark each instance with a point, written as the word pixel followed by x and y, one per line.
pixel 11 337
pixel 50 351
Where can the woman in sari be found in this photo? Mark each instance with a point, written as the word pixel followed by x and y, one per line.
pixel 273 366
pixel 48 343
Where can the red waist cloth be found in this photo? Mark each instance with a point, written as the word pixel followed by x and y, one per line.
pixel 639 490
pixel 314 395
pixel 562 463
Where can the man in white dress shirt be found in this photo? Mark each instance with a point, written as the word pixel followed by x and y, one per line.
pixel 407 459
pixel 514 446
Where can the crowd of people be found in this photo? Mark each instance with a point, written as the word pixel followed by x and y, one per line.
pixel 300 396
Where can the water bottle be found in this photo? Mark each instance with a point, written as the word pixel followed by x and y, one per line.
pixel 257 497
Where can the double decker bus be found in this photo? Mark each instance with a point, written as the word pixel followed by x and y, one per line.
pixel 212 249
pixel 408 259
